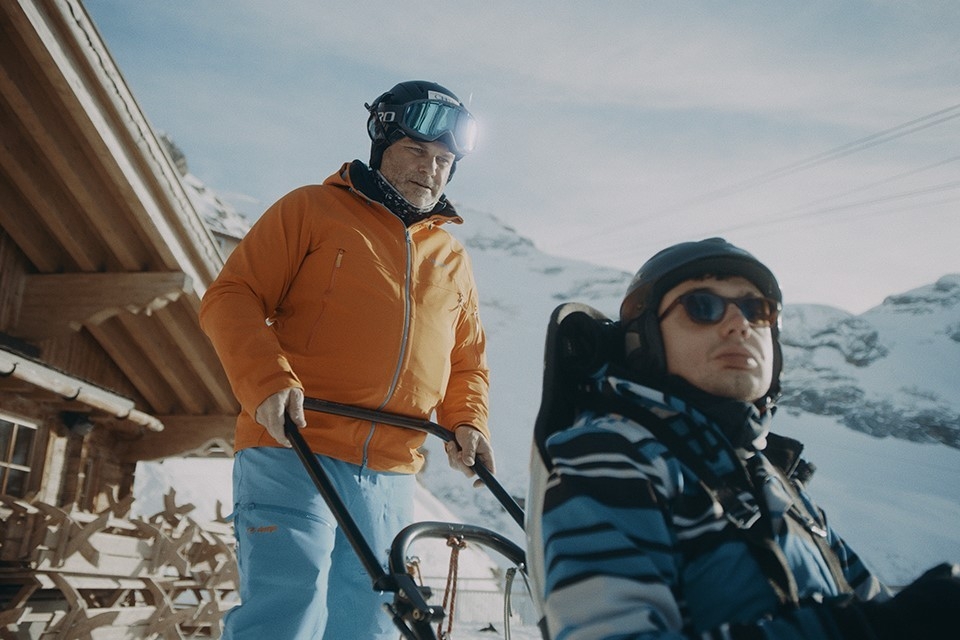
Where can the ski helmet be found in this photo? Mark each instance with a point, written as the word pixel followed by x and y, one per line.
pixel 639 316
pixel 423 111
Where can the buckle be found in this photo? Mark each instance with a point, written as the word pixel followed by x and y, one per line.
pixel 739 509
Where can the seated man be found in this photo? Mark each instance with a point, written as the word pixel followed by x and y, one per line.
pixel 671 511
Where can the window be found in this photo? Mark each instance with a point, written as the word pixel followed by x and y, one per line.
pixel 16 452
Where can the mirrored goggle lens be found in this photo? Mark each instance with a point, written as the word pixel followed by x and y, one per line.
pixel 706 307
pixel 431 120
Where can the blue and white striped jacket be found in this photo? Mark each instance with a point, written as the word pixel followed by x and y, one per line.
pixel 634 546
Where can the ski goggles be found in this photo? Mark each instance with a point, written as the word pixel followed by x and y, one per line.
pixel 706 307
pixel 431 120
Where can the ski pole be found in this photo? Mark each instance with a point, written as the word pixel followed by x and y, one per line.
pixel 398 420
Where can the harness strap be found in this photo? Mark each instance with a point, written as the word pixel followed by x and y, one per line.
pixel 740 507
pixel 815 528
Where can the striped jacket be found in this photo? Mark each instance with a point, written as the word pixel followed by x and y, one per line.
pixel 635 546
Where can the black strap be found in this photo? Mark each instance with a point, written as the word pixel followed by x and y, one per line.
pixel 816 529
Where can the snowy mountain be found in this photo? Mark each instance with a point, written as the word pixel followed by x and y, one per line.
pixel 889 372
pixel 873 397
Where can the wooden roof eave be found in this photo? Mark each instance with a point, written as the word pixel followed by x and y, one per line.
pixel 92 89
pixel 142 305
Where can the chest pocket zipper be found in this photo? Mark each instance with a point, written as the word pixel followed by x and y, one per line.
pixel 336 267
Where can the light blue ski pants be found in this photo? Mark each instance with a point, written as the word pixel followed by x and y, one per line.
pixel 299 577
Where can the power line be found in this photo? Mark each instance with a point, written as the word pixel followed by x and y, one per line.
pixel 847 216
pixel 899 131
pixel 806 211
pixel 871 185
pixel 946 186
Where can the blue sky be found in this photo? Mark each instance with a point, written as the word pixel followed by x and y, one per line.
pixel 822 136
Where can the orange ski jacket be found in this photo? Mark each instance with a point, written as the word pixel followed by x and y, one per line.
pixel 330 292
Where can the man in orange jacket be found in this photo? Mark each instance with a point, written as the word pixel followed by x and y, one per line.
pixel 350 291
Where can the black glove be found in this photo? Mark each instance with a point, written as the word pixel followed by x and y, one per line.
pixel 847 617
pixel 928 608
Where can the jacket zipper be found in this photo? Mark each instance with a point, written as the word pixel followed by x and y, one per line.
pixel 404 338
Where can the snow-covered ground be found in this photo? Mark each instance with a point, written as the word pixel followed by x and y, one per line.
pixel 896 502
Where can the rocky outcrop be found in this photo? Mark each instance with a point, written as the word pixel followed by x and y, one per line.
pixel 887 372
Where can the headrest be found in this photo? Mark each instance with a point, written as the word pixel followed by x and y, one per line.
pixel 580 342
pixel 585 341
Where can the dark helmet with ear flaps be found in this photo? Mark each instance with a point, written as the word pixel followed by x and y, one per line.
pixel 423 111
pixel 672 266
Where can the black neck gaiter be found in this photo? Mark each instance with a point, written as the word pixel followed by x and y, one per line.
pixel 398 205
pixel 373 185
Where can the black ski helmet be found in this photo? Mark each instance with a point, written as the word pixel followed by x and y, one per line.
pixel 423 111
pixel 639 310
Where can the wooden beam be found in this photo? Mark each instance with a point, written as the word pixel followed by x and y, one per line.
pixel 54 304
pixel 182 436
pixel 57 176
pixel 50 215
pixel 125 351
pixel 24 227
pixel 169 360
pixel 119 142
pixel 180 320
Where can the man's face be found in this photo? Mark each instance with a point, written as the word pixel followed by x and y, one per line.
pixel 418 170
pixel 730 359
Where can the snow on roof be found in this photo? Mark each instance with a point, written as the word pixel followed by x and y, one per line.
pixel 219 215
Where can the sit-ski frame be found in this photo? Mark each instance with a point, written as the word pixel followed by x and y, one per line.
pixel 409 610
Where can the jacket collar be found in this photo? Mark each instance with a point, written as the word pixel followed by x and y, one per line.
pixel 744 425
pixel 358 177
pixel 741 423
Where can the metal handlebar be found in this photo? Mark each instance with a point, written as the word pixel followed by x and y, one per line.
pixel 398 420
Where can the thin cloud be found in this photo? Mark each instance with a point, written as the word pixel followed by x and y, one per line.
pixel 597 120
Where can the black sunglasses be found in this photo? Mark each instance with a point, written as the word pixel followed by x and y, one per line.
pixel 706 307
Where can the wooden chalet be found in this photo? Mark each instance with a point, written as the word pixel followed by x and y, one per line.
pixel 103 263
